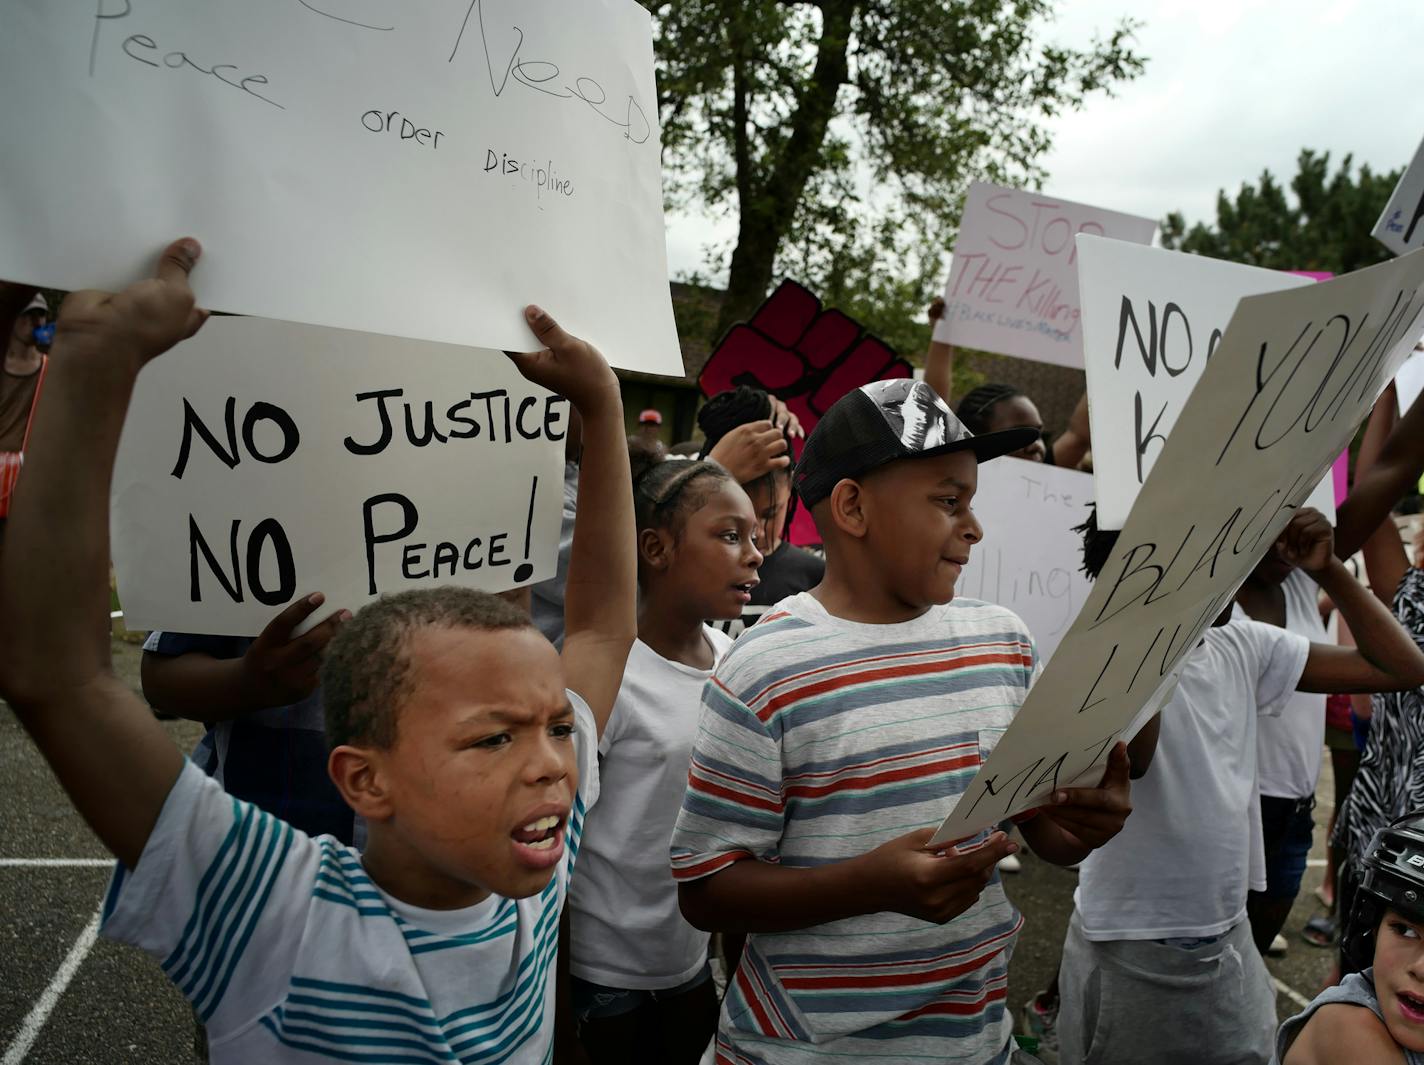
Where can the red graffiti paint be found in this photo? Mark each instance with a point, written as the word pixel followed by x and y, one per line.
pixel 806 356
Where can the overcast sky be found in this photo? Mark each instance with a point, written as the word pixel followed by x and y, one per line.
pixel 1232 87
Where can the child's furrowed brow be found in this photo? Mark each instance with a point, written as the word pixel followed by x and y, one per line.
pixel 512 717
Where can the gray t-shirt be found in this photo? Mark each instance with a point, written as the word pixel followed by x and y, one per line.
pixel 1357 989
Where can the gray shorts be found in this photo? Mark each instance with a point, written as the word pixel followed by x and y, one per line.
pixel 1135 1002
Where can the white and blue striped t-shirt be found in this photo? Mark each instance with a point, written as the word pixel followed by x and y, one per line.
pixel 290 953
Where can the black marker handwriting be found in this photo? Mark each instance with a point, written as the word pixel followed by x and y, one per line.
pixel 539 74
pixel 338 18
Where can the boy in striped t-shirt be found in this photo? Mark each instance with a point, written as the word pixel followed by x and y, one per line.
pixel 467 743
pixel 835 735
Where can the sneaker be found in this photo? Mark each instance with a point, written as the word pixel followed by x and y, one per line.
pixel 1010 863
pixel 1041 1024
pixel 1278 947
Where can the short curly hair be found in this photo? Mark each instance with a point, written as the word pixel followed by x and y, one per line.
pixel 365 674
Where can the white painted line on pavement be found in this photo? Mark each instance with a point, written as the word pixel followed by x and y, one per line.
pixel 44 1005
pixel 56 863
pixel 1291 993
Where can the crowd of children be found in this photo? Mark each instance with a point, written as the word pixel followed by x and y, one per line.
pixel 370 855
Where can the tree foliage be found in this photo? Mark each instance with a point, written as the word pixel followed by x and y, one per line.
pixel 843 133
pixel 1325 226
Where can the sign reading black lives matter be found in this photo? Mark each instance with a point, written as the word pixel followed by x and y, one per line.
pixel 1292 377
pixel 262 461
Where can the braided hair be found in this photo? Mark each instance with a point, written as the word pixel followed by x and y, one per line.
pixel 665 491
pixel 974 408
pixel 1098 543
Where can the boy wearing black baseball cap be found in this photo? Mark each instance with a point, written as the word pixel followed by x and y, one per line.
pixel 834 737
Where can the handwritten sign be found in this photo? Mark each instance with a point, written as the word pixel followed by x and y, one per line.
pixel 1031 559
pixel 420 170
pixel 1401 225
pixel 1294 374
pixel 1151 321
pixel 262 461
pixel 1013 284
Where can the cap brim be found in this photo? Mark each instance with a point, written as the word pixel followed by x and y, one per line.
pixel 988 445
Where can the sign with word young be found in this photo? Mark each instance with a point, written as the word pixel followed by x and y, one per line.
pixel 1295 373
pixel 1030 560
pixel 1401 225
pixel 262 461
pixel 1013 282
pixel 1151 320
pixel 421 170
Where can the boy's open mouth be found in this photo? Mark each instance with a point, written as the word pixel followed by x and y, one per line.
pixel 539 835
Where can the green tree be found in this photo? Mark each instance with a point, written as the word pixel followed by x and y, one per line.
pixel 1325 226
pixel 844 132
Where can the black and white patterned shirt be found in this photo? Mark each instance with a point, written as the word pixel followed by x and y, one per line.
pixel 1390 781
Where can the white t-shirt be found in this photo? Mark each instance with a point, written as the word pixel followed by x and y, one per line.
pixel 290 953
pixel 627 929
pixel 1288 747
pixel 1182 864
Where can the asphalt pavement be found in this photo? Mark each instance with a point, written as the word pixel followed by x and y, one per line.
pixel 64 1001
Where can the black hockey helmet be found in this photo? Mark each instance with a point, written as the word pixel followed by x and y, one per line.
pixel 1391 877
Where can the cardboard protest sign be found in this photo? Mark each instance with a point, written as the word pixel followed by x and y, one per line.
pixel 1151 320
pixel 806 356
pixel 1013 284
pixel 422 170
pixel 1399 227
pixel 262 461
pixel 1031 559
pixel 1294 374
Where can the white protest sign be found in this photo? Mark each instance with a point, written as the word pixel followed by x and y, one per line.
pixel 1030 559
pixel 414 169
pixel 1409 382
pixel 1401 225
pixel 1151 320
pixel 1294 375
pixel 262 461
pixel 1013 284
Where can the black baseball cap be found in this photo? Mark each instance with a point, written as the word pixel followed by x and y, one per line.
pixel 885 421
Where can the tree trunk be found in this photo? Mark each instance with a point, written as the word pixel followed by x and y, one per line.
pixel 767 202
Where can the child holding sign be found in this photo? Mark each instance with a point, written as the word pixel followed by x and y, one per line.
pixel 833 735
pixel 453 735
pixel 1159 927
pixel 641 984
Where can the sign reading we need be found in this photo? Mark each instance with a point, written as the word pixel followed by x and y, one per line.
pixel 262 461
pixel 1295 373
pixel 412 169
pixel 1013 285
